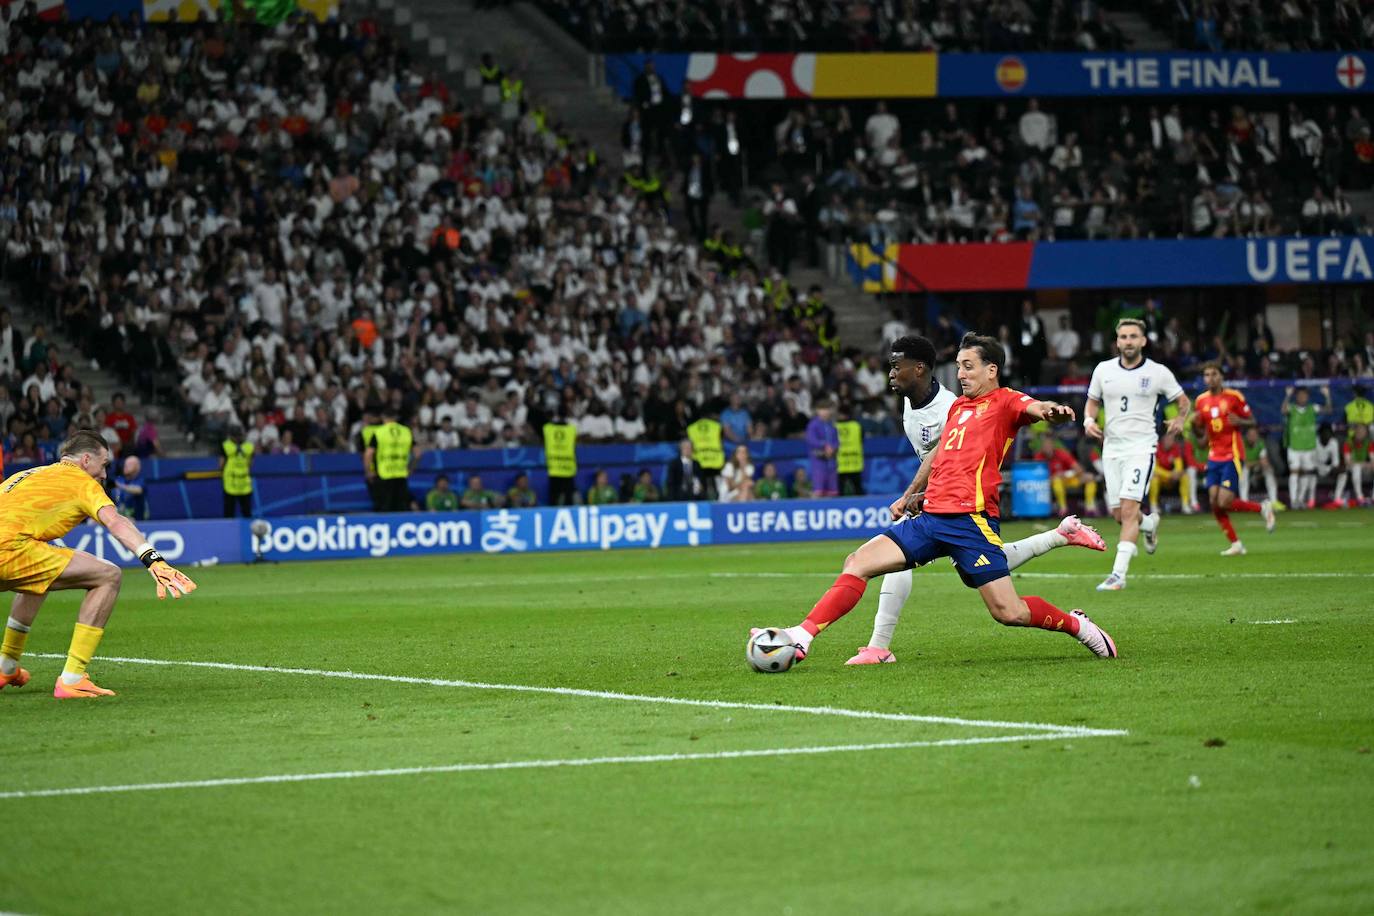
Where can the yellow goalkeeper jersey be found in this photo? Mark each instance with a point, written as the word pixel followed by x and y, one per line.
pixel 47 502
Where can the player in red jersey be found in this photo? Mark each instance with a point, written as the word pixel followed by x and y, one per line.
pixel 1223 413
pixel 960 514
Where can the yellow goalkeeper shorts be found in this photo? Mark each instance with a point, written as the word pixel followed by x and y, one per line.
pixel 31 566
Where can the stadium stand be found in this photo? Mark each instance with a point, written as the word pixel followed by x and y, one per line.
pixel 338 231
pixel 853 25
pixel 296 225
pixel 1250 25
pixel 932 171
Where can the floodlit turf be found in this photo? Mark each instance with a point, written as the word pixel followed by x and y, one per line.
pixel 1245 784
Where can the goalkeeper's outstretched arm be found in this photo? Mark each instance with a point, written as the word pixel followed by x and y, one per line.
pixel 167 578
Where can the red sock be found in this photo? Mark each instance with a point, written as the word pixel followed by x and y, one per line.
pixel 1244 505
pixel 1224 520
pixel 835 603
pixel 1048 617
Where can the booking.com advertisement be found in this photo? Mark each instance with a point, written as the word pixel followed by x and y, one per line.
pixel 616 527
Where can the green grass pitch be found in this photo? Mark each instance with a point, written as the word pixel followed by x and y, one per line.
pixel 1244 784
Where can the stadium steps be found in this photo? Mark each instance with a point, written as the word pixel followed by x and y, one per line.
pixel 858 315
pixel 102 382
pixel 560 74
pixel 557 72
pixel 1140 35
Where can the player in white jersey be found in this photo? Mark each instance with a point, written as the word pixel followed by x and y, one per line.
pixel 1128 390
pixel 925 407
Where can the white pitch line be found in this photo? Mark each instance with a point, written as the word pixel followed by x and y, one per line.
pixel 1264 622
pixel 526 765
pixel 1076 730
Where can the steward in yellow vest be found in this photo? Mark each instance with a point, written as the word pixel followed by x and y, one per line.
pixel 708 451
pixel 560 457
pixel 387 462
pixel 235 472
pixel 849 457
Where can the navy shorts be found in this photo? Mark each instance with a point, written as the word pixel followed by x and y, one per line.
pixel 971 541
pixel 1224 474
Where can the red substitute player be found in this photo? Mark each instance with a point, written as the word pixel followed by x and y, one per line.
pixel 960 515
pixel 1223 413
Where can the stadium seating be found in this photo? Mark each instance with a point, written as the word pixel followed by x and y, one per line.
pixel 949 171
pixel 1246 25
pixel 796 25
pixel 295 226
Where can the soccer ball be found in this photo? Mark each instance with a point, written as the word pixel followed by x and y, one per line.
pixel 771 651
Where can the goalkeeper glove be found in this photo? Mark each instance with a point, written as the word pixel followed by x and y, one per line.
pixel 167 578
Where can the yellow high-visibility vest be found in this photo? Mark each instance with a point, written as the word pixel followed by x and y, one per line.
pixel 560 449
pixel 392 442
pixel 237 480
pixel 706 444
pixel 849 458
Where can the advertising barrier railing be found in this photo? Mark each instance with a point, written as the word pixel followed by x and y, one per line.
pixel 614 527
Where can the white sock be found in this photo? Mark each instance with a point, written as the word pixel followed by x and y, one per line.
pixel 10 665
pixel 1294 491
pixel 1036 545
pixel 1340 487
pixel 1124 551
pixel 1271 485
pixel 1357 476
pixel 1245 484
pixel 798 634
pixel 895 590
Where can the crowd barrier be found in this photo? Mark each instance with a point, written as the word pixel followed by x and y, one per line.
pixel 1135 264
pixel 934 75
pixel 332 482
pixel 615 527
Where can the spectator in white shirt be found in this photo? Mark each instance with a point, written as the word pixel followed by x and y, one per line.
pixel 1065 342
pixel 596 425
pixel 447 436
pixel 881 128
pixel 1036 128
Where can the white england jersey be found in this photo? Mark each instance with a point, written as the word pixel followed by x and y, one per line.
pixel 924 424
pixel 1129 398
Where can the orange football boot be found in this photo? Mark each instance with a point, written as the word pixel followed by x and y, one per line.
pixel 84 688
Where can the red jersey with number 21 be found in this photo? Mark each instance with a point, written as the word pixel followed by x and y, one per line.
pixel 978 434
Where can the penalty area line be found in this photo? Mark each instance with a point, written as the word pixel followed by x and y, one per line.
pixel 529 765
pixel 1061 730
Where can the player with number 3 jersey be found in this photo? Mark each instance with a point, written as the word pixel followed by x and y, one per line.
pixel 1127 391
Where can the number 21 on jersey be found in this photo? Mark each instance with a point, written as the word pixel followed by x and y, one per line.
pixel 955 439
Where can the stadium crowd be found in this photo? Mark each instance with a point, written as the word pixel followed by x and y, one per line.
pixel 846 25
pixel 1255 25
pixel 292 228
pixel 289 229
pixel 928 171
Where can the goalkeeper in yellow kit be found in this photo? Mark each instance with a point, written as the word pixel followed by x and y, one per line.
pixel 45 503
